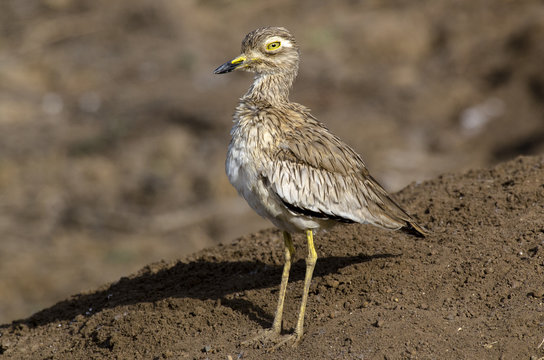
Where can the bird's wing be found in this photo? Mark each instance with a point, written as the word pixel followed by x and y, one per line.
pixel 314 173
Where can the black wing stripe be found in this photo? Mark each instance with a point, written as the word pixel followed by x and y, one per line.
pixel 314 214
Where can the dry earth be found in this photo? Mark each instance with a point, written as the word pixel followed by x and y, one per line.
pixel 471 290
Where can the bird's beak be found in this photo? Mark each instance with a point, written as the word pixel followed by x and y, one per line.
pixel 231 65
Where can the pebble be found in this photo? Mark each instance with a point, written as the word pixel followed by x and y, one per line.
pixel 515 284
pixel 378 323
pixel 333 283
pixel 167 354
pixel 199 310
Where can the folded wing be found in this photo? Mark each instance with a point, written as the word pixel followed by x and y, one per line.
pixel 315 174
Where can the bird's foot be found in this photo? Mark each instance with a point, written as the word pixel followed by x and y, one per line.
pixel 272 340
pixel 263 338
pixel 286 340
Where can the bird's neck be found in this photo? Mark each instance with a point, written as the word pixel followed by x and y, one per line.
pixel 271 88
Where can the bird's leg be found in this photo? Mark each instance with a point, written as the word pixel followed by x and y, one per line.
pixel 273 334
pixel 289 253
pixel 310 264
pixel 294 339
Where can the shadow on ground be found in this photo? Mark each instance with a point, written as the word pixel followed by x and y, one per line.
pixel 198 279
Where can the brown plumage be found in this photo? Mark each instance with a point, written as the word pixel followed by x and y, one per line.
pixel 290 168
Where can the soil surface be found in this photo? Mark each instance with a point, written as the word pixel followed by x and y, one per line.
pixel 472 289
pixel 113 128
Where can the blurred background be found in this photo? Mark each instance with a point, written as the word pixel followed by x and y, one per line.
pixel 113 128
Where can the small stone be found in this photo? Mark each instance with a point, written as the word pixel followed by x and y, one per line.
pixel 515 284
pixel 332 283
pixel 379 323
pixel 4 345
pixel 199 310
pixel 537 293
pixel 206 348
pixel 167 354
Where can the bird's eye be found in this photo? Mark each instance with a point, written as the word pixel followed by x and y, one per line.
pixel 273 45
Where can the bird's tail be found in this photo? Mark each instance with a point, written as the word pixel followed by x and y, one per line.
pixel 389 214
pixel 414 229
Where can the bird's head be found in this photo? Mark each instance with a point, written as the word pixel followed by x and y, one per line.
pixel 267 50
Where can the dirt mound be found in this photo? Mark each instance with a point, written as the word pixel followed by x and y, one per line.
pixel 113 128
pixel 473 289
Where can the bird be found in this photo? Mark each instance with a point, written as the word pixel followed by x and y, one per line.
pixel 292 170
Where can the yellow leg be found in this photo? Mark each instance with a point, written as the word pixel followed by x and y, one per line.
pixel 310 264
pixel 289 253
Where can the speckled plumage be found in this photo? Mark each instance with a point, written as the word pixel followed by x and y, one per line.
pixel 281 154
pixel 287 165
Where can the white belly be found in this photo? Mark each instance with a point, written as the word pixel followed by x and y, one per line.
pixel 245 174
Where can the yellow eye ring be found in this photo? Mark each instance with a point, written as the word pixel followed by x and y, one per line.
pixel 274 45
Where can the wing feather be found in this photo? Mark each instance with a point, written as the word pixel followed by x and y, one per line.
pixel 315 172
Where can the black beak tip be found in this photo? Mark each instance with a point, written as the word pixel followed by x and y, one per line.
pixel 225 68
